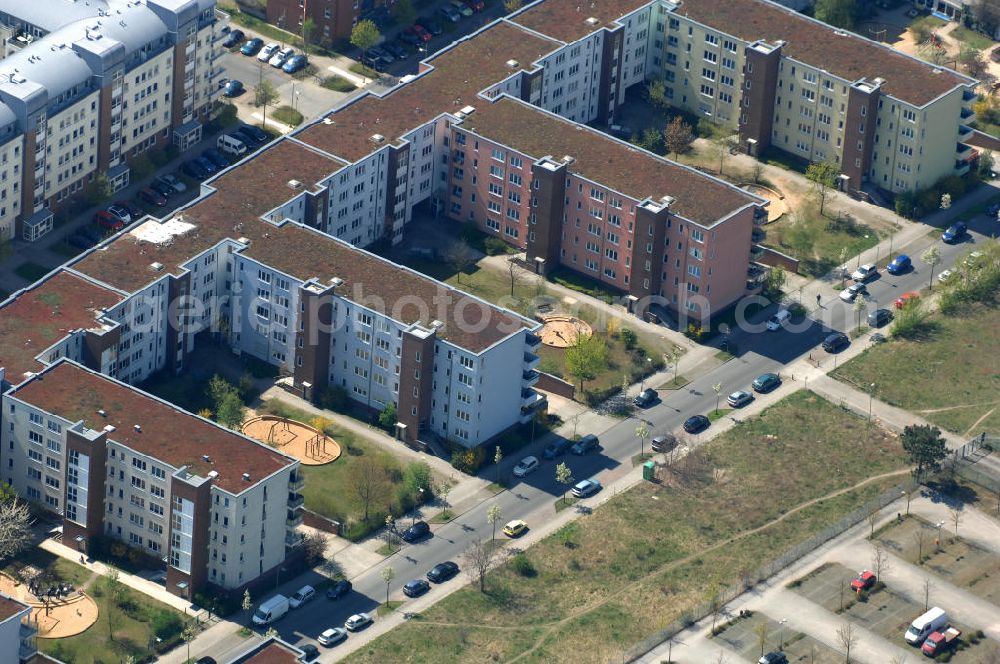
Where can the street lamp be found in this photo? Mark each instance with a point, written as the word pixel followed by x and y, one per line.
pixel 937 540
pixel 871 397
pixel 420 496
pixel 642 381
pixel 781 633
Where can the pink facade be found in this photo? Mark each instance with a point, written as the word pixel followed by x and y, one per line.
pixel 598 230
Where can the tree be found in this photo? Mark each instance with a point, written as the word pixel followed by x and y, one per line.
pixel 926 447
pixel 955 516
pixel 918 539
pixel 364 35
pixel 512 5
pixel 314 548
pixel 973 61
pixel 839 13
pixel 247 605
pixel 99 189
pixel 564 476
pixel 308 29
pixel 231 411
pixel 984 164
pixel 493 516
pixel 848 639
pixel 497 458
pixel 657 93
pixel 586 357
pixel 872 517
pixel 678 136
pixel 824 176
pixel 921 32
pixel 480 557
pixel 387 418
pixel 187 635
pixel 931 257
pixel 387 574
pixel 880 561
pixel 403 12
pixel 642 433
pixel 774 281
pixel 459 256
pixel 514 274
pixel 860 304
pixel 15 526
pixel 757 171
pixel 928 585
pixel 264 95
pixel 761 630
pixel 369 483
pixel 116 591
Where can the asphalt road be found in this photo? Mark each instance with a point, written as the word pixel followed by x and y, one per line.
pixel 531 498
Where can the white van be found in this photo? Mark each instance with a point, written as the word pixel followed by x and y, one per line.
pixel 775 322
pixel 231 145
pixel 933 620
pixel 271 610
pixel 301 596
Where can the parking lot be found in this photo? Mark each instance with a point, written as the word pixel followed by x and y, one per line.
pixel 744 637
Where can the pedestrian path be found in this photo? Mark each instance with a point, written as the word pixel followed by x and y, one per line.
pixel 359 81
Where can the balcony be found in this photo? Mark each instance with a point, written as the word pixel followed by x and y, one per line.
pixel 529 378
pixel 967 114
pixel 531 361
pixel 531 403
pixel 532 340
pixel 295 501
pixel 759 215
pixel 964 132
pixel 296 482
pixel 292 540
pixel 758 234
pixel 754 284
pixel 293 519
pixel 969 95
pixel 756 252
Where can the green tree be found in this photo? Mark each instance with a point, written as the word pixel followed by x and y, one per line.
pixel 642 433
pixel 116 593
pixel 512 5
pixel 678 136
pixel 931 257
pixel 839 13
pixel 308 29
pixel 984 164
pixel 387 574
pixel 774 281
pixel 264 95
pixel 926 447
pixel 364 35
pixel 564 476
pixel 247 605
pixel 586 357
pixel 403 12
pixel 99 190
pixel 387 418
pixel 824 176
pixel 657 91
pixel 231 411
pixel 493 517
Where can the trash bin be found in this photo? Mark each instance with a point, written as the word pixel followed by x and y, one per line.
pixel 649 470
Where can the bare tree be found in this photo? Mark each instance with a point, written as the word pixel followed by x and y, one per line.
pixel 15 527
pixel 757 172
pixel 481 556
pixel 514 273
pixel 369 483
pixel 761 631
pixel 848 639
pixel 880 561
pixel 678 136
pixel 872 520
pixel 314 548
pixel 928 585
pixel 918 538
pixel 459 256
pixel 116 593
pixel 955 515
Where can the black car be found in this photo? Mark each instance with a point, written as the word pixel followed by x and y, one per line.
pixel 339 589
pixel 417 531
pixel 310 651
pixel 663 443
pixel 696 424
pixel 416 588
pixel 153 197
pixel 80 241
pixel 397 50
pixel 257 135
pixel 557 448
pixel 442 572
pixel 252 47
pixel 773 658
pixel 646 398
pixel 585 444
pixel 234 38
pixel 431 26
pixel 408 37
pixel 879 317
pixel 207 164
pixel 206 660
pixel 836 342
pixel 216 158
pixel 162 188
pixel 193 168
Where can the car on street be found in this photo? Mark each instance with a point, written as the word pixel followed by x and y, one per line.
pixel 739 398
pixel 773 658
pixel 118 210
pixel 940 641
pixel 233 38
pixel 945 275
pixel 515 528
pixel 526 466
pixel 338 589
pixel 382 55
pixel 556 448
pixel 836 342
pixel 442 572
pixel 584 445
pixel 851 293
pixel 268 52
pixel 295 63
pixel 775 322
pixel 108 221
pixel 646 398
pixel 416 587
pixel 281 57
pixel 865 273
pixel 430 25
pixel 417 531
pixel 905 299
pixel 153 197
pixel 766 382
pixel 972 260
pixel 309 652
pixel 696 424
pixel 357 622
pixel 173 182
pixel 233 88
pixel 461 7
pixel 450 13
pixel 252 47
pixel 954 233
pixel 879 317
pixel 663 443
pixel 586 488
pixel 864 581
pixel 193 168
pixel 899 264
pixel 301 596
pixel 331 637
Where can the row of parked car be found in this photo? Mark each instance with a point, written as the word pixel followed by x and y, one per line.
pixel 419 34
pixel 229 146
pixel 285 59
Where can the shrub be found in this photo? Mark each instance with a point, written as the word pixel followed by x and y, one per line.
pixel 629 338
pixel 523 566
pixel 495 246
pixel 337 84
pixel 468 461
pixel 334 398
pixel 167 624
pixel 694 332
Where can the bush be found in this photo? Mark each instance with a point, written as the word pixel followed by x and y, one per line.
pixel 495 246
pixel 167 624
pixel 287 115
pixel 523 566
pixel 695 332
pixel 468 461
pixel 629 338
pixel 334 398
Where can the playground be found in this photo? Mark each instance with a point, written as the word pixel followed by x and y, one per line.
pixel 561 331
pixel 70 611
pixel 307 444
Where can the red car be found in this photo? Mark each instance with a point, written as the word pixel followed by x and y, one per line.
pixel 905 299
pixel 475 5
pixel 108 221
pixel 421 32
pixel 865 580
pixel 938 642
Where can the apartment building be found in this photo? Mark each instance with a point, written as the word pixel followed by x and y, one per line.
pixel 17 634
pixel 332 20
pixel 91 85
pixel 215 506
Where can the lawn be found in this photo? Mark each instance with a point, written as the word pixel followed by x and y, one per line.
pixel 652 553
pixel 287 115
pixel 31 271
pixel 337 84
pixel 972 38
pixel 947 378
pixel 816 240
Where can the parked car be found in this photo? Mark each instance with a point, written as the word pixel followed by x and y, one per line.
pixel 173 182
pixel 461 7
pixel 865 273
pixel 193 168
pixel 338 589
pixel 586 488
pixel 663 443
pixel 450 13
pixel 161 188
pixel 773 658
pixel 108 221
pixel 696 424
pixel 207 164
pixel 417 531
pixel 375 61
pixel 945 275
pixel 938 642
pixel 206 660
pixel 526 466
pixel 585 444
pixel 925 624
pixel 954 233
pixel 515 528
pixel 775 322
pixel 309 652
pixel 899 264
pixel 879 317
pixel 475 5
pixel 410 36
pixel 864 581
pixel 331 637
pixel 118 210
pixel 357 622
pixel 295 63
pixel 233 38
pixel 905 299
pixel 765 382
pixel 972 260
pixel 80 241
pixel 836 342
pixel 134 211
pixel 281 57
pixel 851 293
pixel 268 52
pixel 91 234
pixel 442 572
pixel 424 34
pixel 233 88
pixel 397 49
pixel 301 596
pixel 153 197
pixel 416 587
pixel 382 55
pixel 739 398
pixel 217 158
pixel 257 135
pixel 556 448
pixel 646 398
pixel 252 47
pixel 430 25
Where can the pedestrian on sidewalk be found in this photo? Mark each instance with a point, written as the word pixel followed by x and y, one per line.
pixel 818 304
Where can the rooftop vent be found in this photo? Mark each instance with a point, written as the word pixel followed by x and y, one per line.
pixel 436 324
pixel 109 428
pixel 138 429
pixel 102 412
pixel 567 159
pixel 336 281
pixel 156 266
pixel 244 240
pixel 513 64
pixel 668 200
pixel 212 474
pixel 592 21
pixel 206 458
pixel 246 477
pixel 294 184
pixel 840 33
pixel 327 121
pixel 377 138
pixel 468 110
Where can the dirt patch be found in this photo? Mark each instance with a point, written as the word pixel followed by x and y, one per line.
pixel 309 446
pixel 67 616
pixel 562 331
pixel 777 206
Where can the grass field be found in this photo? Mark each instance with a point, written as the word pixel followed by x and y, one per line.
pixel 972 38
pixel 816 241
pixel 951 378
pixel 652 553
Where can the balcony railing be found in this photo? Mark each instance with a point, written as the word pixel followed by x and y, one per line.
pixel 756 252
pixel 295 501
pixel 758 234
pixel 531 361
pixel 533 340
pixel 293 519
pixel 292 540
pixel 296 482
pixel 529 378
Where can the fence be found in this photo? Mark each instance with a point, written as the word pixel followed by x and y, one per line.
pixel 964 462
pixel 320 522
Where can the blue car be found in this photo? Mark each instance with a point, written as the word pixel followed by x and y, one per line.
pixel 954 233
pixel 252 47
pixel 207 164
pixel 294 64
pixel 899 264
pixel 193 168
pixel 233 88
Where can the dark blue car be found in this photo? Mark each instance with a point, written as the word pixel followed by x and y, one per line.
pixel 252 47
pixel 295 63
pixel 954 233
pixel 193 168
pixel 899 264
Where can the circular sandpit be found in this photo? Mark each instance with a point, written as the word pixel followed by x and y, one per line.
pixel 310 446
pixel 777 208
pixel 561 331
pixel 68 615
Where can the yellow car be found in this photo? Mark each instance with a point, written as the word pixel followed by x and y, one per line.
pixel 515 528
